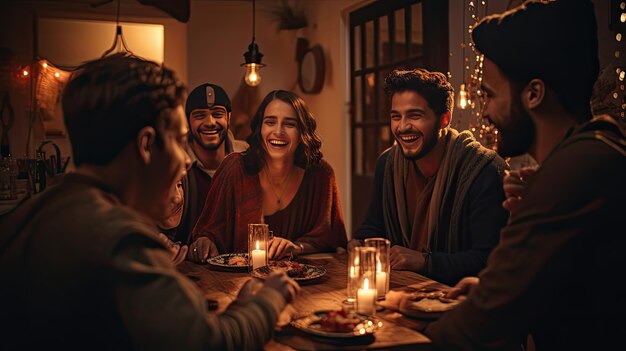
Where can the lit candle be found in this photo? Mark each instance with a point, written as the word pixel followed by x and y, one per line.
pixel 381 280
pixel 365 299
pixel 258 257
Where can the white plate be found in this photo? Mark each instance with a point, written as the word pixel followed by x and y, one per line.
pixel 222 261
pixel 311 324
pixel 311 272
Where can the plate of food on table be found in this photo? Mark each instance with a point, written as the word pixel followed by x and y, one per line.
pixel 300 272
pixel 234 261
pixel 425 302
pixel 337 324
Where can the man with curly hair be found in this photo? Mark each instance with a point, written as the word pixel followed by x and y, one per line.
pixel 437 192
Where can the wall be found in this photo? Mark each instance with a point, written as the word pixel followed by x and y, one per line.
pixel 328 21
pixel 17 30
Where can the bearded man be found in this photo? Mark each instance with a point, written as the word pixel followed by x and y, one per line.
pixel 208 111
pixel 563 238
pixel 437 192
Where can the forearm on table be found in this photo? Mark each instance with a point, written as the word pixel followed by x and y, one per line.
pixel 247 327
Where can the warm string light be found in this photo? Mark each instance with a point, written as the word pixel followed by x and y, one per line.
pixel 470 96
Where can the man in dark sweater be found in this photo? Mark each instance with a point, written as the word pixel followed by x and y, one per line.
pixel 556 272
pixel 437 192
pixel 81 264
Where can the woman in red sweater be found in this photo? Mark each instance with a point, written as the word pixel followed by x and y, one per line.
pixel 281 180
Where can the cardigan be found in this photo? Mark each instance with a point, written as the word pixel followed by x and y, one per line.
pixel 314 216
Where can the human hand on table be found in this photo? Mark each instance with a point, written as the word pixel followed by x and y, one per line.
pixel 248 290
pixel 403 258
pixel 514 183
pixel 286 286
pixel 354 243
pixel 178 252
pixel 281 247
pixel 462 288
pixel 201 249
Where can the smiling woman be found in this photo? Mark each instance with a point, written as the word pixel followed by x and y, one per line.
pixel 281 180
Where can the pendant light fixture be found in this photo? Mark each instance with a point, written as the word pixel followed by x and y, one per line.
pixel 253 57
pixel 119 44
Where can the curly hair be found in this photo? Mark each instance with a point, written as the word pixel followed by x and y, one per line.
pixel 433 86
pixel 308 151
pixel 107 101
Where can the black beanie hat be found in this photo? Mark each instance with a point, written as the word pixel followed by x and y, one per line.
pixel 206 96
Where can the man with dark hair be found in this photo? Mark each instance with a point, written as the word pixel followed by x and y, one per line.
pixel 82 265
pixel 437 192
pixel 208 112
pixel 563 241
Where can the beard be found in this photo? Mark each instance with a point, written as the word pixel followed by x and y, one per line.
pixel 516 138
pixel 427 146
pixel 212 146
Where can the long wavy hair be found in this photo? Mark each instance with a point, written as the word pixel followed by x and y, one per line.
pixel 308 151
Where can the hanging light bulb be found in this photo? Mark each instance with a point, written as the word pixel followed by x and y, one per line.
pixel 253 65
pixel 253 57
pixel 462 101
pixel 252 77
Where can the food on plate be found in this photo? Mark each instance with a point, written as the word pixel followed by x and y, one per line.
pixel 292 268
pixel 432 301
pixel 428 295
pixel 338 322
pixel 237 261
pixel 427 301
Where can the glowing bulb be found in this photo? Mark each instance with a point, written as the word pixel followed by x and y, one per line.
pixel 462 103
pixel 618 36
pixel 252 77
pixel 621 75
pixel 25 73
pixel 45 65
pixel 56 74
pixel 622 18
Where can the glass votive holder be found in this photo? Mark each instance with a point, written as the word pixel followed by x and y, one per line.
pixel 366 293
pixel 258 240
pixel 353 274
pixel 383 268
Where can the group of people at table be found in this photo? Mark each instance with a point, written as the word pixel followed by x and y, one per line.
pixel 83 263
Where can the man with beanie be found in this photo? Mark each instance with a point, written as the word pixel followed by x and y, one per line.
pixel 563 243
pixel 208 112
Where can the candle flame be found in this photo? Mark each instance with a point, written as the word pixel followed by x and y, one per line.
pixel 257 245
pixel 379 266
pixel 366 284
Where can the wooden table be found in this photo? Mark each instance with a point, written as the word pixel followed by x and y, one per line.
pixel 398 331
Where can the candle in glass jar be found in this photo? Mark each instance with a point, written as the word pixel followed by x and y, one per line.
pixel 258 257
pixel 381 280
pixel 365 299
